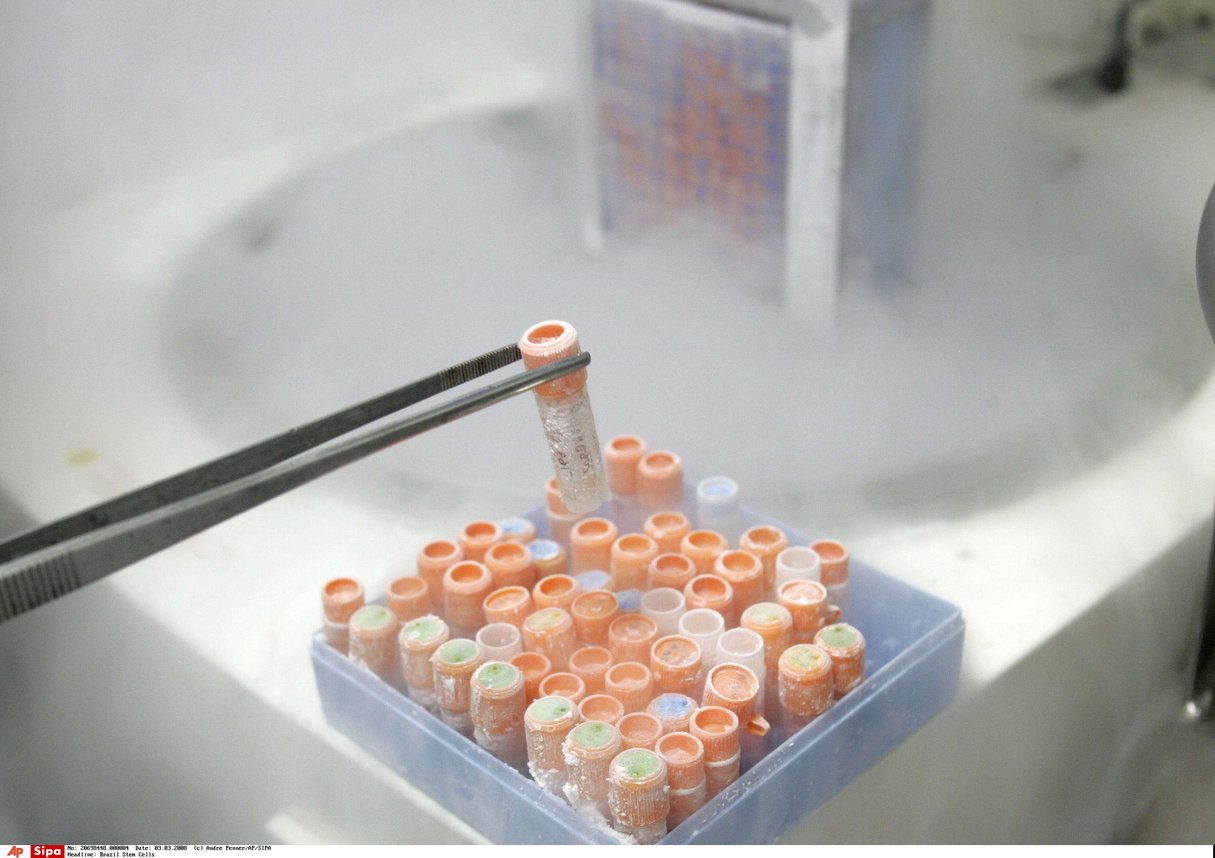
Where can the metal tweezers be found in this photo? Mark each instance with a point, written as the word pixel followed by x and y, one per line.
pixel 42 564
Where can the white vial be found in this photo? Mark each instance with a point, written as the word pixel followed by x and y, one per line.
pixel 499 641
pixel 664 605
pixel 717 506
pixel 797 563
pixel 745 647
pixel 705 626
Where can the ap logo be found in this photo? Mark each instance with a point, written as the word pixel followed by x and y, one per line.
pixel 16 852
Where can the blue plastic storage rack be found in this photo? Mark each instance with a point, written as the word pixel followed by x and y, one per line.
pixel 914 651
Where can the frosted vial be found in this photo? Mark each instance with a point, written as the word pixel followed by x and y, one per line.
pixel 834 571
pixel 588 751
pixel 797 563
pixel 637 795
pixel 565 414
pixel 547 722
pixel 742 646
pixel 499 641
pixel 705 626
pixel 717 506
pixel 497 704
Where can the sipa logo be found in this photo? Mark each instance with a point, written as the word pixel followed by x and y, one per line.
pixel 46 851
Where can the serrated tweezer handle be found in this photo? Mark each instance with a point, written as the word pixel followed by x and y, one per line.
pixel 45 563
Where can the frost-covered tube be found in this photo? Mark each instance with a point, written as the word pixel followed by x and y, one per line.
pixel 454 664
pixel 588 752
pixel 565 413
pixel 497 704
pixel 637 794
pixel 547 722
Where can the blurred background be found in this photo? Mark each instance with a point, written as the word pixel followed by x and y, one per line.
pixel 920 275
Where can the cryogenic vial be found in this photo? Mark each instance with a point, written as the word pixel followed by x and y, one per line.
pixel 565 413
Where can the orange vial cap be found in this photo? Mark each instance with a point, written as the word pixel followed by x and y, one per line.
pixel 621 455
pixel 834 557
pixel 631 683
pixel 637 794
pixel 601 707
pixel 630 560
pixel 535 667
pixel 639 730
pixel 685 759
pixel 477 537
pixel 434 560
pixel 807 683
pixel 675 661
pixel 508 605
pixel 561 684
pixel 593 613
pixel 709 591
pixel 765 542
pixel 774 624
pixel 373 640
pixel 703 547
pixel 418 640
pixel 806 602
pixel 550 631
pixel 511 565
pixel 409 598
pixel 547 722
pixel 465 586
pixel 498 699
pixel 340 598
pixel 630 637
pixel 745 573
pixel 548 342
pixel 846 646
pixel 717 730
pixel 590 664
pixel 556 591
pixel 671 570
pixel 667 528
pixel 589 750
pixel 591 544
pixel 454 663
pixel 660 480
pixel 734 687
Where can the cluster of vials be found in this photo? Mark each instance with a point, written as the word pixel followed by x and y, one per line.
pixel 631 661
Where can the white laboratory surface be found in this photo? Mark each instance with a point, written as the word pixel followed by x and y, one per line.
pixel 175 701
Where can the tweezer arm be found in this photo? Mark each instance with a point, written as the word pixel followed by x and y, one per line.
pixel 255 457
pixel 50 572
